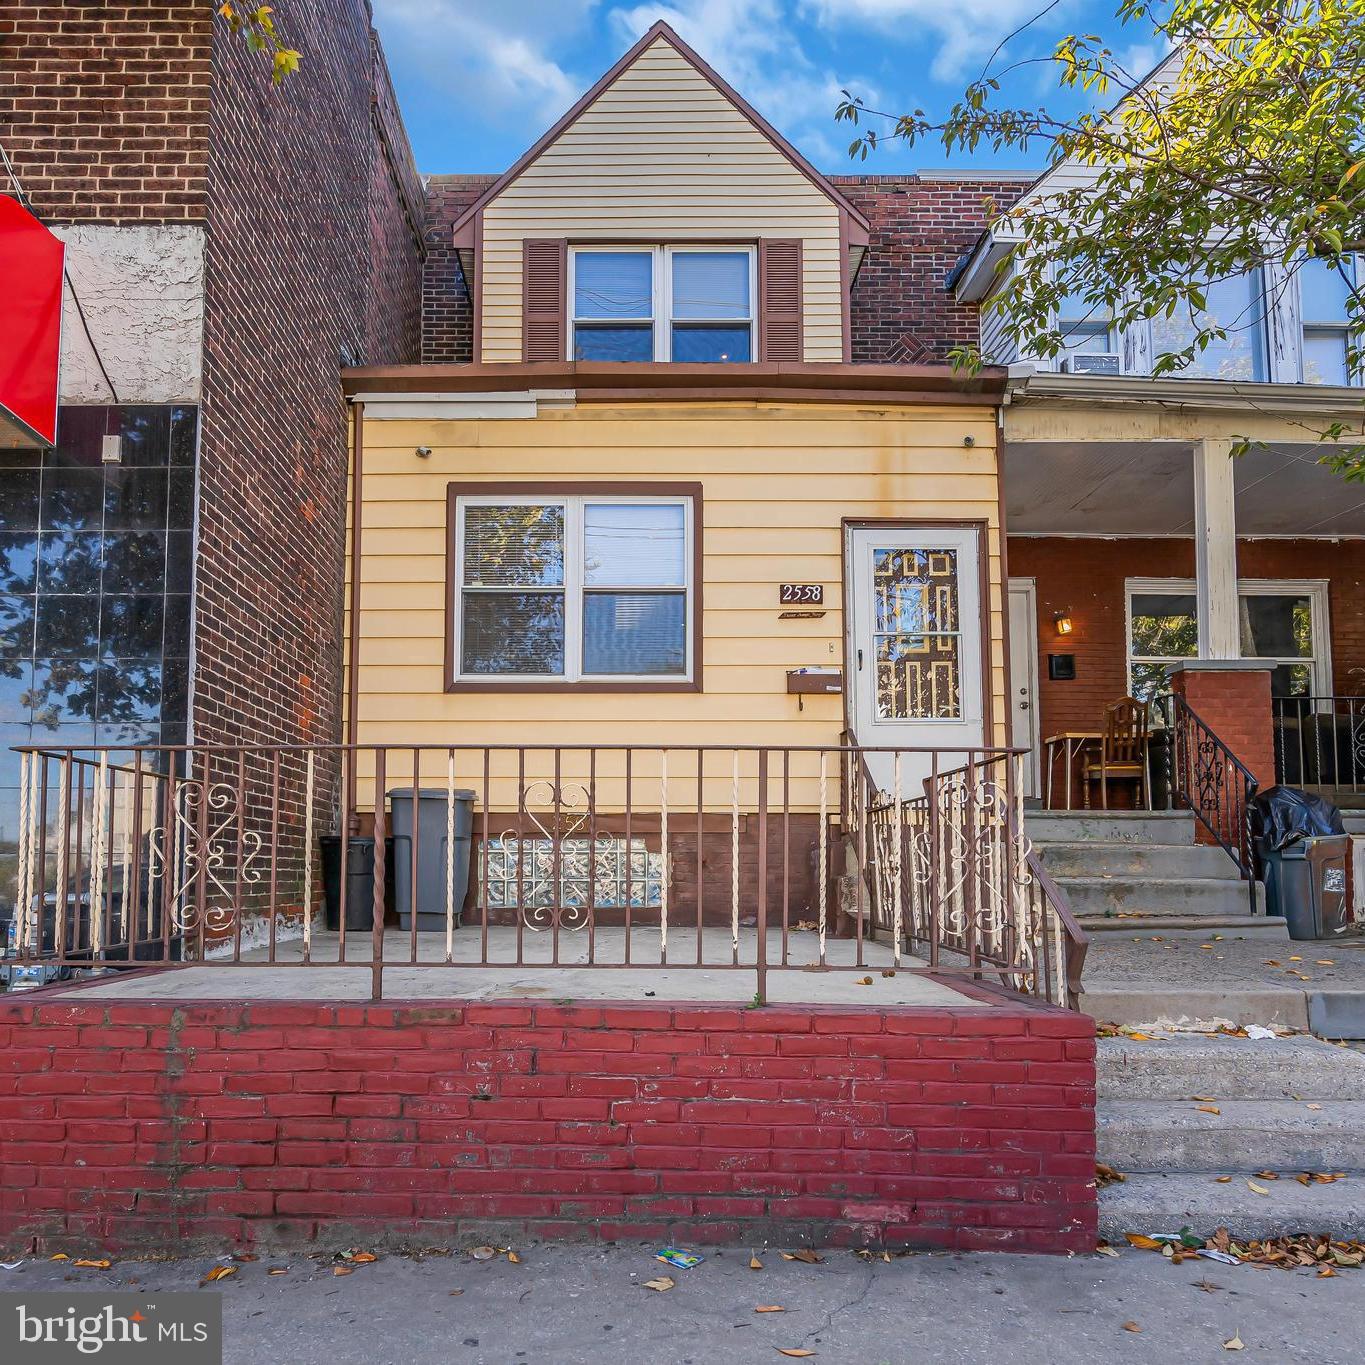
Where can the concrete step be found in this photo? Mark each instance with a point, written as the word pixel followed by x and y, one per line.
pixel 1117 858
pixel 1141 827
pixel 1227 927
pixel 1166 1203
pixel 1191 1007
pixel 1159 895
pixel 1246 1135
pixel 1179 1066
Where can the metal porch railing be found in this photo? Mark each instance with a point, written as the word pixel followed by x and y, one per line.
pixel 749 858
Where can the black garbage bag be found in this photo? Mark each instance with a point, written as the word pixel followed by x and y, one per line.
pixel 1281 816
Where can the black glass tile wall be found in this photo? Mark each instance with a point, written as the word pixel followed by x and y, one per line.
pixel 96 564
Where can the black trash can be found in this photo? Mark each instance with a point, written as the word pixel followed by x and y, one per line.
pixel 359 881
pixel 1302 847
pixel 430 897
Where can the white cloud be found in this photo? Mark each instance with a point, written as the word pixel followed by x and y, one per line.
pixel 967 30
pixel 490 56
pixel 752 45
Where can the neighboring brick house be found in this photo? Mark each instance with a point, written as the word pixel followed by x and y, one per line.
pixel 232 245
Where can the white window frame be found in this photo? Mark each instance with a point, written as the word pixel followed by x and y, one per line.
pixel 661 305
pixel 1354 375
pixel 1261 297
pixel 574 588
pixel 1114 344
pixel 1315 589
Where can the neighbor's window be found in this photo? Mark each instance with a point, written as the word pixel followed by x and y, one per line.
pixel 1236 304
pixel 1087 328
pixel 1279 626
pixel 1163 627
pixel 574 588
pixel 1325 294
pixel 662 303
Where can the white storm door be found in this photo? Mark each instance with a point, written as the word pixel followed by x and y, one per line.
pixel 915 647
pixel 1024 674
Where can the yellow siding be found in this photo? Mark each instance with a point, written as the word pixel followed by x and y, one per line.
pixel 776 481
pixel 660 156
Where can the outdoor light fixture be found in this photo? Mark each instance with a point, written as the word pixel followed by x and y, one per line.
pixel 1062 620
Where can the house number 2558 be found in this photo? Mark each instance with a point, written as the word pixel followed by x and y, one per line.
pixel 805 593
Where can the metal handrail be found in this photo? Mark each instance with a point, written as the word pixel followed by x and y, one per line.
pixel 1206 777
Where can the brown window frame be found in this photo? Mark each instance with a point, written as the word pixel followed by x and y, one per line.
pixel 529 491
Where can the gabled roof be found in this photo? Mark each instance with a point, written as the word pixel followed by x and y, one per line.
pixel 858 226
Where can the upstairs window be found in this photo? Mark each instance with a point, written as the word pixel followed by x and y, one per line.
pixel 1087 329
pixel 1325 295
pixel 1237 305
pixel 662 303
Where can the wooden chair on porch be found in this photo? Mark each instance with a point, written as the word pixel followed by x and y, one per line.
pixel 1122 754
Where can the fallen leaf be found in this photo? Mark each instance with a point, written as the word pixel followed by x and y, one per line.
pixel 1107 1175
pixel 1223 1179
pixel 343 1270
pixel 1296 959
pixel 1141 1242
pixel 1234 1344
pixel 1313 1106
pixel 770 1308
pixel 514 1258
pixel 661 1285
pixel 1255 1188
pixel 278 1270
pixel 364 1257
pixel 1207 1285
pixel 1204 1099
pixel 93 1265
pixel 245 1256
pixel 888 971
pixel 1106 1251
pixel 755 1263
pixel 1325 961
pixel 484 1253
pixel 805 1254
pixel 455 1293
pixel 1139 1037
pixel 1266 1175
pixel 1304 1179
pixel 219 1272
pixel 1131 1327
pixel 797 1352
pixel 59 1256
pixel 1207 947
pixel 1208 1109
pixel 862 981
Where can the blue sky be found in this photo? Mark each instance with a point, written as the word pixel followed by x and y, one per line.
pixel 480 80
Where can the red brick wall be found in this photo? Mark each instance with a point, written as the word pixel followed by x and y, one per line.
pixel 447 309
pixel 1087 576
pixel 1235 705
pixel 153 1124
pixel 920 228
pixel 313 263
pixel 105 108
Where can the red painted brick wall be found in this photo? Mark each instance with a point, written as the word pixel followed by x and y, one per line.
pixel 1087 576
pixel 153 1124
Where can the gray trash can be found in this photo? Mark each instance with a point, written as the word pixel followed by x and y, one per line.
pixel 431 853
pixel 1306 883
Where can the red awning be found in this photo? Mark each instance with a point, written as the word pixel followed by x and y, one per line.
pixel 30 327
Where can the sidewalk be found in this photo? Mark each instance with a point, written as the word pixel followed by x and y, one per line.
pixel 586 1306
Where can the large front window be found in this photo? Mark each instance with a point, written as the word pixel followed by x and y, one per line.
pixel 662 303
pixel 573 588
pixel 1284 623
pixel 1237 305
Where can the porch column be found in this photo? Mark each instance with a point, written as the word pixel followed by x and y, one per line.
pixel 1215 550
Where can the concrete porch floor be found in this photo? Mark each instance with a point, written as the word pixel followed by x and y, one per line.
pixel 1316 986
pixel 574 978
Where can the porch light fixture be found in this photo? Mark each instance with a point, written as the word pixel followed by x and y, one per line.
pixel 1062 621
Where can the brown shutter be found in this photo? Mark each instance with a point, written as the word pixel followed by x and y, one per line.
pixel 544 271
pixel 779 299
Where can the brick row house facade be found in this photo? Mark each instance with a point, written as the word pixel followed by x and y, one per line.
pixel 229 247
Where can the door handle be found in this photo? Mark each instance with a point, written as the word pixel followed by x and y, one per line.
pixel 860 660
